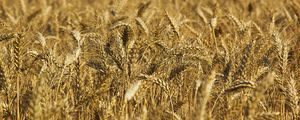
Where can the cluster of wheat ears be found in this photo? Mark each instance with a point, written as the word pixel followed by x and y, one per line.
pixel 149 59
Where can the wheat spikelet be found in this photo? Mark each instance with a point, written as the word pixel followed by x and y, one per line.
pixel 266 116
pixel 41 39
pixel 174 115
pixel 127 34
pixel 291 93
pixel 237 22
pixel 98 65
pixel 23 7
pixel 283 50
pixel 8 36
pixel 157 81
pixel 247 51
pixel 176 71
pixel 92 35
pixel 108 50
pixel 141 23
pixel 171 23
pixel 17 66
pixel 272 25
pixel 259 73
pixel 142 8
pixel 240 85
pixel 152 68
pixel 106 84
pixel 127 37
pixel 118 25
pixel 12 18
pixel 77 36
pixel 192 30
pixel 201 14
pixel 34 15
pixel 258 28
pixel 118 19
pixel 2 79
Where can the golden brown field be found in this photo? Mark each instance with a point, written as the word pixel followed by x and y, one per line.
pixel 149 59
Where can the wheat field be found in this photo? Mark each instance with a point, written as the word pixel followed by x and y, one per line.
pixel 149 59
